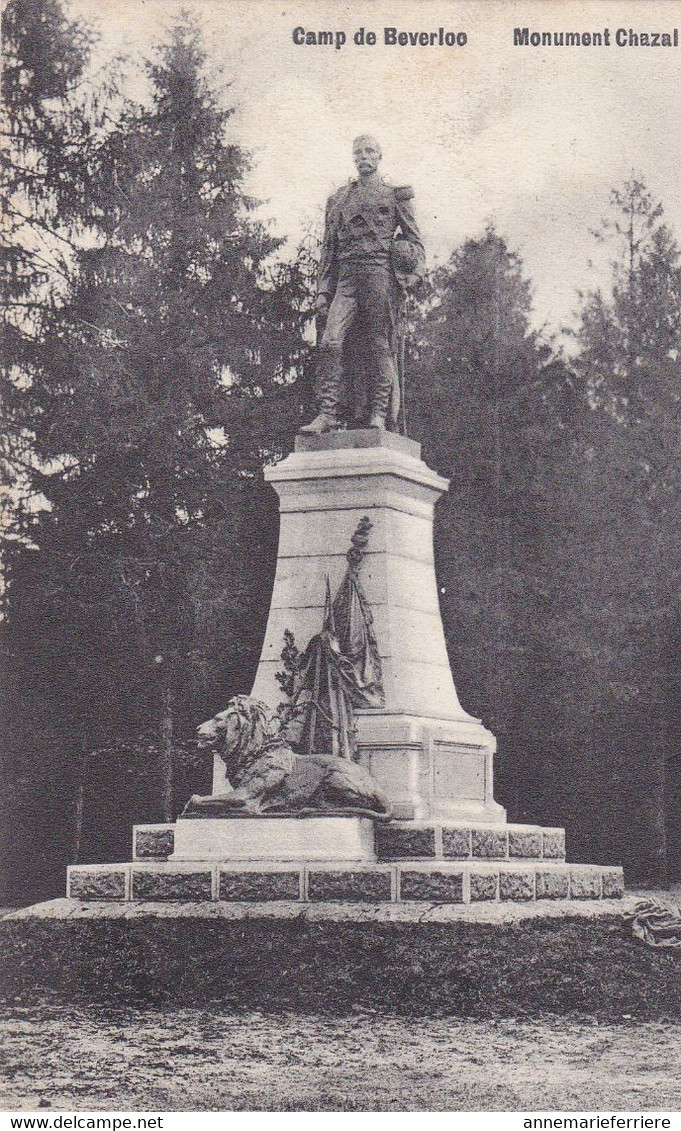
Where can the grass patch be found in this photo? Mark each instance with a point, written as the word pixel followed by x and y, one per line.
pixel 582 967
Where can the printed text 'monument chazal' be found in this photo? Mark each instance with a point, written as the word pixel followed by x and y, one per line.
pixel 621 37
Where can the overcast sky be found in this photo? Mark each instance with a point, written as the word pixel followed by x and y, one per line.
pixel 530 138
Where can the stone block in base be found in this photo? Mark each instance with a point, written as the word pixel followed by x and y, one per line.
pixel 160 884
pixel 552 883
pixel 258 887
pixel 483 886
pixel 456 843
pixel 613 883
pixel 431 885
pixel 585 883
pixel 275 838
pixel 516 885
pixel 553 844
pixel 403 841
pixel 152 842
pixel 370 886
pixel 490 844
pixel 524 843
pixel 96 882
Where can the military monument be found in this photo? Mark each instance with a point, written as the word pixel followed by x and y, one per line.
pixel 352 773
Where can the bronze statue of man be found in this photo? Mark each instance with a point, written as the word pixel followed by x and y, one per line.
pixel 372 256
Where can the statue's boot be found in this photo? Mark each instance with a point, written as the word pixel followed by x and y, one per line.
pixel 381 384
pixel 328 398
pixel 323 422
pixel 380 400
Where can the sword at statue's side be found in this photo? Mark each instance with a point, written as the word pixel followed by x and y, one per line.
pixel 401 351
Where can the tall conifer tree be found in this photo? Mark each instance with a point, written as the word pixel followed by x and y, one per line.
pixel 172 357
pixel 48 125
pixel 484 391
pixel 630 359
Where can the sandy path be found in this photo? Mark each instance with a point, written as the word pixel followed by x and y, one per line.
pixel 201 1060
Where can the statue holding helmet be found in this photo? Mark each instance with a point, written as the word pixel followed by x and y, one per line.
pixel 372 258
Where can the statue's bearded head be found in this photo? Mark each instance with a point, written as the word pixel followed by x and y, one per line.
pixel 366 153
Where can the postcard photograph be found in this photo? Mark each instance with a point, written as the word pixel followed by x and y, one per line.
pixel 341 765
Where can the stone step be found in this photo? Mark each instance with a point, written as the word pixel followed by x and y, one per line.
pixel 438 881
pixel 153 842
pixel 413 840
pixel 450 840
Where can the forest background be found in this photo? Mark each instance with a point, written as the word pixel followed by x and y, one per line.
pixel 157 355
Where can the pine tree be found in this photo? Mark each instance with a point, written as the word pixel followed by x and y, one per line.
pixel 629 338
pixel 630 358
pixel 173 358
pixel 163 397
pixel 486 396
pixel 48 122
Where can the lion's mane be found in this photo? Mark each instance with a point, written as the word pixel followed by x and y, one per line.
pixel 257 729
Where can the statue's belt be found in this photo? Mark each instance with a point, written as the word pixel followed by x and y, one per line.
pixel 368 259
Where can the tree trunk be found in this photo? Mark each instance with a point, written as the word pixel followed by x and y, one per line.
pixel 167 753
pixel 78 821
pixel 655 829
pixel 80 802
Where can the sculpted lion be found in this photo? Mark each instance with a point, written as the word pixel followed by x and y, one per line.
pixel 267 776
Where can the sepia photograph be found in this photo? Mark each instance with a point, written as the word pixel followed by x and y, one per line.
pixel 341 378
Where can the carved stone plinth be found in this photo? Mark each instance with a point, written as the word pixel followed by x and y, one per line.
pixel 431 768
pixel 327 860
pixel 275 838
pixel 449 843
pixel 431 757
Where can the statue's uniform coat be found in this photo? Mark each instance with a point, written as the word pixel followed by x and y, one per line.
pixel 358 276
pixel 360 226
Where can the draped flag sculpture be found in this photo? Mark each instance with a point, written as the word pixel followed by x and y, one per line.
pixel 339 670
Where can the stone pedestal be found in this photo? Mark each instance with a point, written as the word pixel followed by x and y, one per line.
pixel 431 768
pixel 328 860
pixel 275 838
pixel 432 758
pixel 449 843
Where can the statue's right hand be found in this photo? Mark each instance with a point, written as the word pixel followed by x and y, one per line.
pixel 322 303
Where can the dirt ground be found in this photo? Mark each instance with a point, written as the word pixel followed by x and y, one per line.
pixel 70 1058
pixel 185 1060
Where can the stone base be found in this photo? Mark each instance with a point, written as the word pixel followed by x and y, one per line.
pixel 434 882
pixel 411 911
pixel 298 860
pixel 431 768
pixel 274 839
pixel 453 840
